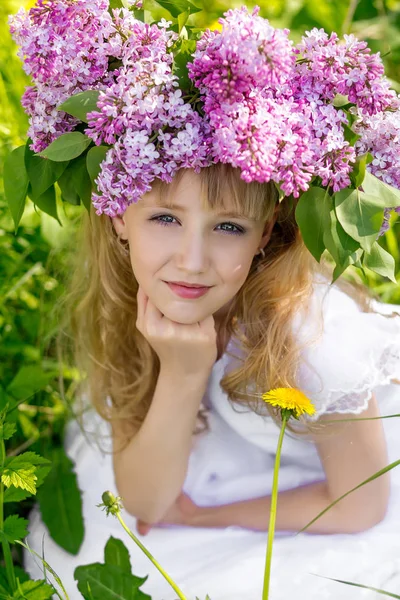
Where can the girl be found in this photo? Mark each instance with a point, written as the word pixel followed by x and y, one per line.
pixel 176 376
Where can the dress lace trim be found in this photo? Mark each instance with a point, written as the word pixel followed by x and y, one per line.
pixel 339 400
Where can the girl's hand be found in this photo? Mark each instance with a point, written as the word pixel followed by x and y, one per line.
pixel 182 512
pixel 182 349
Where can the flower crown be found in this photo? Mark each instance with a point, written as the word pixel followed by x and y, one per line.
pixel 118 102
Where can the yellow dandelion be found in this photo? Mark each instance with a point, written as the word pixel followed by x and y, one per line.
pixel 290 399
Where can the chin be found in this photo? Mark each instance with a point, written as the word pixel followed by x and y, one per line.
pixel 186 316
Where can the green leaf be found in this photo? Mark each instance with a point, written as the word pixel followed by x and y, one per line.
pixel 42 466
pixel 360 585
pixel 7 430
pixel 13 494
pixel 108 582
pixel 75 184
pixel 139 15
pixel 381 262
pixel 116 553
pixel 349 135
pixel 16 183
pixel 15 528
pixel 358 173
pixel 42 172
pixel 34 590
pixel 176 7
pixel 67 188
pixel 388 195
pixel 181 60
pixel 360 215
pixel 47 203
pixel 29 380
pixel 94 158
pixel 20 475
pixel 340 100
pixel 67 146
pixel 61 504
pixel 339 244
pixel 79 105
pixel 311 214
pixel 374 476
pixel 182 19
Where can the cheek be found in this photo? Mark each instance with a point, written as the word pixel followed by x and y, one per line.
pixel 237 271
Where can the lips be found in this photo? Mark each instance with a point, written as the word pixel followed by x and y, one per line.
pixel 187 292
pixel 188 285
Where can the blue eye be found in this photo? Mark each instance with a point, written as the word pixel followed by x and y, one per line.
pixel 238 230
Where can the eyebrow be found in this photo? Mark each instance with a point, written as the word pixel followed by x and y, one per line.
pixel 225 213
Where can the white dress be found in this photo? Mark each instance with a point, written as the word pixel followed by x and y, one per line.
pixel 357 354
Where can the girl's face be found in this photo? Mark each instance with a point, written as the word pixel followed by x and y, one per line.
pixel 188 243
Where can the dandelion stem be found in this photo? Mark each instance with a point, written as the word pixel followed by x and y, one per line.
pixel 153 560
pixel 272 516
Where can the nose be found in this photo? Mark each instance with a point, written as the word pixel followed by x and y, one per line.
pixel 193 251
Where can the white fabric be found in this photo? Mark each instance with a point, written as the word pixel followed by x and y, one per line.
pixel 355 356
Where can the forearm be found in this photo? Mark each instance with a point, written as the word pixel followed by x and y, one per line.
pixel 151 471
pixel 296 508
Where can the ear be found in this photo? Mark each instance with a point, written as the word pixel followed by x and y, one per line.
pixel 120 227
pixel 268 228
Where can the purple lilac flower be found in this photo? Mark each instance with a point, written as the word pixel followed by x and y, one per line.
pixel 143 114
pixel 63 45
pixel 248 53
pixel 334 157
pixel 328 67
pixel 266 140
pixel 265 113
pixel 142 85
pixel 135 161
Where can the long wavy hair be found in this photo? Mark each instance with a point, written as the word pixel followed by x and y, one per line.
pixel 99 311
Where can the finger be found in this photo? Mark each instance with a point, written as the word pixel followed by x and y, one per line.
pixel 153 314
pixel 143 528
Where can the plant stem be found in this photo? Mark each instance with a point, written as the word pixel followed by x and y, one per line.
pixel 349 16
pixel 153 560
pixel 272 515
pixel 4 543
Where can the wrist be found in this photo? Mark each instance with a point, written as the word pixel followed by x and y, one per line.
pixel 184 381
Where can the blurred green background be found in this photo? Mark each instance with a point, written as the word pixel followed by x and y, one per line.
pixel 34 262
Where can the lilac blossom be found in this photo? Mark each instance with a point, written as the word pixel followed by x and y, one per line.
pixel 248 53
pixel 64 47
pixel 328 67
pixel 134 161
pixel 143 84
pixel 266 106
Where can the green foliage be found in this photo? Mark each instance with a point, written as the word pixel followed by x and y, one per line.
pixel 17 472
pixel 42 173
pixel 33 590
pixel 116 553
pixel 79 105
pixel 67 146
pixel 16 183
pixel 113 579
pixel 178 7
pixel 14 528
pixel 310 216
pixel 61 503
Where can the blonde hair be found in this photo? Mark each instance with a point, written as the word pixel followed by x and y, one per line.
pixel 99 311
